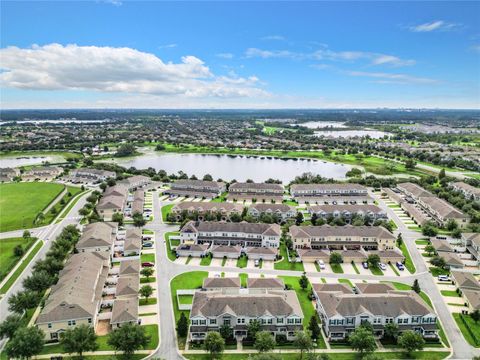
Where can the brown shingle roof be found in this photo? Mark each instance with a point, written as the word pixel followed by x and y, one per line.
pixel 226 282
pixel 265 283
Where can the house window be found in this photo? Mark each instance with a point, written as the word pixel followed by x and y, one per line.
pixel 298 321
pixel 89 320
pixel 279 320
pixel 290 321
pixel 270 321
pixel 194 322
pixel 49 325
pixel 213 321
pixel 241 321
pixel 203 322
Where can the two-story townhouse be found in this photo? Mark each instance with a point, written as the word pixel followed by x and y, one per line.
pixel 261 192
pixel 280 211
pixel 42 173
pixel 98 236
pixel 86 175
pixel 75 299
pixel 472 243
pixel 220 211
pixel 277 311
pixel 196 188
pixel 113 201
pixel 342 237
pixel 468 191
pixel 225 233
pixel 442 211
pixel 326 190
pixel 347 212
pixel 341 313
pixel 136 181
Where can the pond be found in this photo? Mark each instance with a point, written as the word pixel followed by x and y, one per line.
pixel 374 134
pixel 239 167
pixel 27 160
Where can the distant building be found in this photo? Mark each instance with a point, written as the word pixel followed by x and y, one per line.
pixel 86 175
pixel 196 188
pixel 45 173
pixel 112 201
pixel 467 190
pixel 204 210
pixel 260 192
pixel 472 242
pixel 347 212
pixel 136 181
pixel 8 174
pixel 281 211
pixel 320 190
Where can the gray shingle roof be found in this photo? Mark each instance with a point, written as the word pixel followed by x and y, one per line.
pixel 265 283
pixel 226 282
pixel 243 227
pixel 347 230
pixel 124 310
pixel 97 234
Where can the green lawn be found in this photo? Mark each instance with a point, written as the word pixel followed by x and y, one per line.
pixel 305 302
pixel 150 330
pixel 376 270
pixel 21 202
pixel 469 329
pixel 423 355
pixel 422 242
pixel 185 299
pixel 284 264
pixel 74 199
pixel 165 210
pixel 147 258
pixel 25 261
pixel 451 293
pixel 394 269
pixel 438 271
pixel 188 280
pixel 243 279
pixel 171 254
pixel 345 281
pixel 150 301
pixel 337 268
pixel 205 261
pixel 242 262
pixel 408 260
pixel 7 258
pixel 72 191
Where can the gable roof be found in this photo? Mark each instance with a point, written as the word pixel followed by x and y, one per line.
pixel 129 267
pixel 242 227
pixel 97 234
pixel 342 288
pixel 465 280
pixel 374 288
pixel 226 282
pixel 265 283
pixel 347 230
pixel 124 310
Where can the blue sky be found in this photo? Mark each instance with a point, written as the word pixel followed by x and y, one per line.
pixel 240 54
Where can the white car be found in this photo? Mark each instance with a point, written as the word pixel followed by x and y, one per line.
pixel 321 264
pixel 382 266
pixel 443 278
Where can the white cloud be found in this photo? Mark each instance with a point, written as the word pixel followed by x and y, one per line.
pixel 475 48
pixel 225 55
pixel 168 46
pixel 326 54
pixel 274 37
pixel 438 25
pixel 388 78
pixel 113 2
pixel 122 70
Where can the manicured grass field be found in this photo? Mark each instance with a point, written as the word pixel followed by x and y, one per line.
pixel 147 258
pixel 25 261
pixel 408 260
pixel 165 210
pixel 242 262
pixel 7 258
pixel 188 280
pixel 469 329
pixel 284 264
pixel 20 203
pixel 243 279
pixel 451 293
pixel 185 299
pixel 423 355
pixel 337 268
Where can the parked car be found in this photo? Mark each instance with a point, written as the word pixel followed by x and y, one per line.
pixel 147 244
pixel 443 278
pixel 400 266
pixel 148 264
pixel 321 264
pixel 365 265
pixel 257 263
pixel 382 266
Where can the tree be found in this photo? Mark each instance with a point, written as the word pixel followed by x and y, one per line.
pixel 410 164
pixel 335 258
pixel 429 249
pixel 214 344
pixel 429 229
pixel 303 342
pixel 314 328
pixel 416 286
pixel 411 341
pixel 441 174
pixel 22 301
pixel 226 331
pixel 252 328
pixel 303 281
pixel 182 326
pixel 390 331
pixel 438 261
pixel 314 218
pixel 118 218
pixel 38 281
pixel 399 239
pixel 299 218
pixel 207 177
pixel 373 260
pixel 26 234
pixel 128 339
pixel 18 251
pixel 146 291
pixel 125 150
pixel 362 340
pixel 147 272
pixel 25 343
pixel 138 219
pixel 10 325
pixel 160 147
pixel 451 225
pixel 264 341
pixel 79 339
pixel 475 315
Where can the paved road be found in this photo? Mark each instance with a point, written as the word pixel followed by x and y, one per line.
pixel 19 233
pixel 47 234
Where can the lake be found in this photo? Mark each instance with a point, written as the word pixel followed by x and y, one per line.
pixel 19 160
pixel 322 124
pixel 239 168
pixel 374 134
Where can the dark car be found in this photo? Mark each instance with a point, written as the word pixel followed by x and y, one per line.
pixel 148 264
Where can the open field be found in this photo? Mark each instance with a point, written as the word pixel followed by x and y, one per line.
pixel 8 260
pixel 20 203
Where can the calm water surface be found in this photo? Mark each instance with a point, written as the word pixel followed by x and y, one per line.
pixel 240 168
pixel 322 124
pixel 374 134
pixel 17 161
